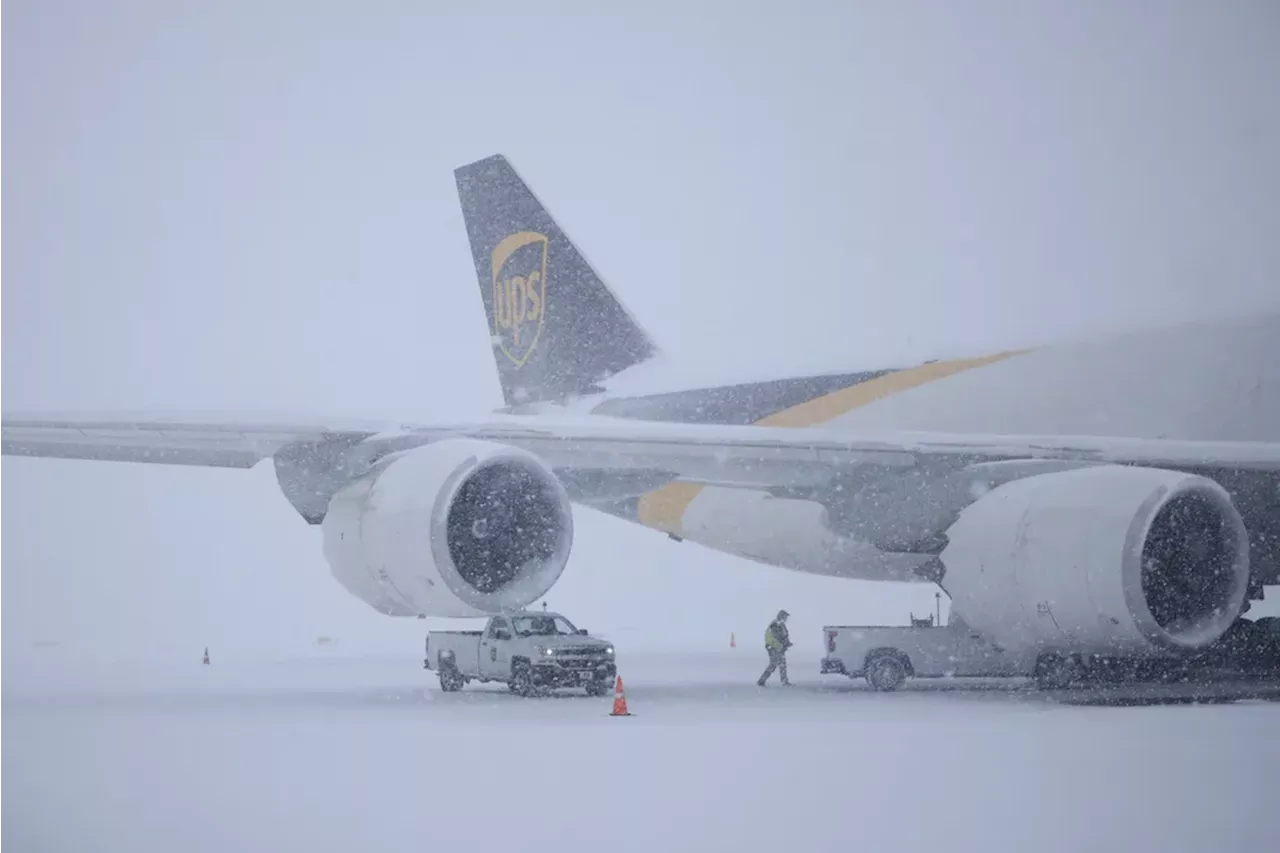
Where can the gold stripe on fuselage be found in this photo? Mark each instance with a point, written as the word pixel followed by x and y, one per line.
pixel 663 509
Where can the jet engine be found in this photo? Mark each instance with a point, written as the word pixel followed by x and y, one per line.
pixel 455 528
pixel 1106 560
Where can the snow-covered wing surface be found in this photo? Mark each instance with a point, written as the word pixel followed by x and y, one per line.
pixel 209 441
pixel 706 453
pixel 764 457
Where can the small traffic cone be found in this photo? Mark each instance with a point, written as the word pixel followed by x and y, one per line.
pixel 620 701
pixel 206 656
pixel 733 644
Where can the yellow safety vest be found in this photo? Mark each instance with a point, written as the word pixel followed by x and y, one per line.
pixel 770 641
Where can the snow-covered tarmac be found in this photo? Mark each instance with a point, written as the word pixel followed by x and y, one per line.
pixel 344 754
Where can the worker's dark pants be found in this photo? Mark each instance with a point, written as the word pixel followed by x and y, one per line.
pixel 778 661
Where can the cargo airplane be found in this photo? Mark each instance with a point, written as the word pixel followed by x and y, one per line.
pixel 1117 496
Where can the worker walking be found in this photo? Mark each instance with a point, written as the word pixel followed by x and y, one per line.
pixel 776 643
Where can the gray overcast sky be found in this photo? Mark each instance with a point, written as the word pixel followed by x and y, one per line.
pixel 250 206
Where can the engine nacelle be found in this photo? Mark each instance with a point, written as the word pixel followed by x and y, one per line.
pixel 455 528
pixel 1110 560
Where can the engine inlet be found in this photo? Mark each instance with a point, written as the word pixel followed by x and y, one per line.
pixel 503 518
pixel 1191 561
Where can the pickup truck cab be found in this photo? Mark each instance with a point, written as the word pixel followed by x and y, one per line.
pixel 531 652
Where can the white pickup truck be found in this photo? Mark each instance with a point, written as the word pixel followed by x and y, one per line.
pixel 887 655
pixel 531 652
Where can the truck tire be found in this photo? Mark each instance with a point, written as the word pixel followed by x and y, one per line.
pixel 521 682
pixel 450 679
pixel 598 688
pixel 886 671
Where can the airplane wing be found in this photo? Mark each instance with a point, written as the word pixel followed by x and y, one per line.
pixel 759 451
pixel 170 441
pixel 746 456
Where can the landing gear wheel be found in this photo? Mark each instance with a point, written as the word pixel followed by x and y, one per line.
pixel 1056 672
pixel 598 688
pixel 886 672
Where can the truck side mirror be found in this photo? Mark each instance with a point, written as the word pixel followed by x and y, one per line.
pixel 582 631
pixel 503 635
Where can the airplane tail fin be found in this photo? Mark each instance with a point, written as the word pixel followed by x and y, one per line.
pixel 557 329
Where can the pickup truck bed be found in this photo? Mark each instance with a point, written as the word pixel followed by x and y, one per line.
pixel 462 646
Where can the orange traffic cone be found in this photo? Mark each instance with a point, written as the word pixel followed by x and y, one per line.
pixel 206 656
pixel 620 701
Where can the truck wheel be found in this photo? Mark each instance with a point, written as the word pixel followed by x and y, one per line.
pixel 598 688
pixel 450 679
pixel 886 672
pixel 521 680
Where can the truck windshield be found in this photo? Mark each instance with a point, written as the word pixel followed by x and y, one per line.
pixel 542 626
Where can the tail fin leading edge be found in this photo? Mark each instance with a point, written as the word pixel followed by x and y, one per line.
pixel 557 329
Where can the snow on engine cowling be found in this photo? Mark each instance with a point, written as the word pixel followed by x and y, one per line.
pixel 1106 559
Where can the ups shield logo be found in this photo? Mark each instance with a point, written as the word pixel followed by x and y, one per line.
pixel 519 293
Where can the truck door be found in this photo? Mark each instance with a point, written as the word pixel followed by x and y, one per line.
pixel 495 648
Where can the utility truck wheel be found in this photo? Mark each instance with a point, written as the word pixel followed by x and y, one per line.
pixel 450 679
pixel 598 688
pixel 521 682
pixel 886 672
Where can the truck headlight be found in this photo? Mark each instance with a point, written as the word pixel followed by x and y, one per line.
pixel 609 650
pixel 548 652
